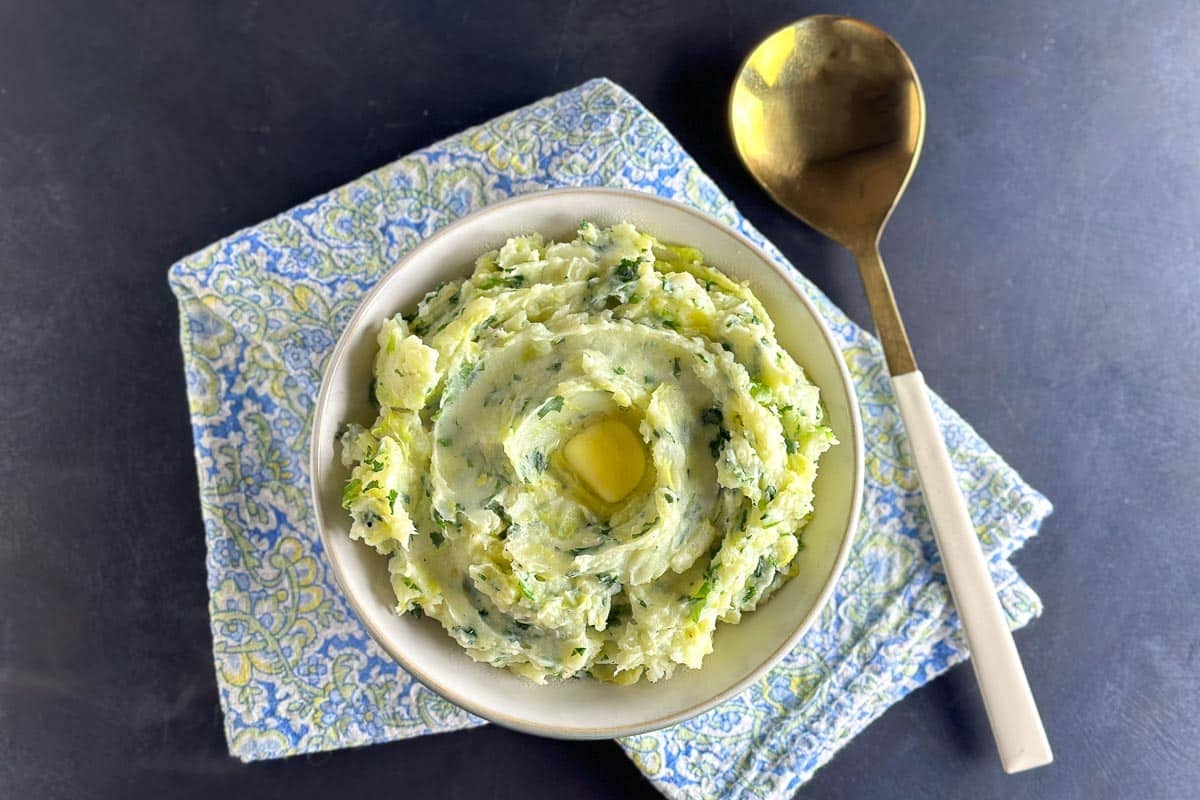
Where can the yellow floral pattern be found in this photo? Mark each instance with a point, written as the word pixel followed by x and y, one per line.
pixel 259 314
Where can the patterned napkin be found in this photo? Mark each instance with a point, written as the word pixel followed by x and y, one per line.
pixel 260 312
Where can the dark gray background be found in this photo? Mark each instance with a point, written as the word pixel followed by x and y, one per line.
pixel 1045 257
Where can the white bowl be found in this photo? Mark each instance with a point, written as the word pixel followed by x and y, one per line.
pixel 588 708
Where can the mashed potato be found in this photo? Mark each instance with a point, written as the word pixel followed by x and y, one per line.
pixel 587 454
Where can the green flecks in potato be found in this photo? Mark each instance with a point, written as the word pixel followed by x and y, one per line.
pixel 587 454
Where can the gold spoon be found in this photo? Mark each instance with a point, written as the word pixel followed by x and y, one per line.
pixel 829 117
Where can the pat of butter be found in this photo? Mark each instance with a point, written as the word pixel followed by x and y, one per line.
pixel 608 458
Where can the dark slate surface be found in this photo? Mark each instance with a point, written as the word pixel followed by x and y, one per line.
pixel 1045 257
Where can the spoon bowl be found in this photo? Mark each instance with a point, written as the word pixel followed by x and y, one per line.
pixel 829 117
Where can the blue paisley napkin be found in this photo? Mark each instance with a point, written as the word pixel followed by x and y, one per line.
pixel 259 314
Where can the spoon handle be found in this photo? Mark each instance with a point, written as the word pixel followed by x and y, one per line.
pixel 1011 710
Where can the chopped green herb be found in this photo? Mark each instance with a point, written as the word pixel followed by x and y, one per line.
pixel 579 651
pixel 492 281
pixel 370 486
pixel 627 270
pixel 553 404
pixel 445 442
pixel 714 447
pixel 760 391
pixel 646 528
pixel 392 501
pixel 700 596
pixel 619 370
pixel 351 493
pixel 437 538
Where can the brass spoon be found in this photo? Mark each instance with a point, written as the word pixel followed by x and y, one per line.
pixel 829 117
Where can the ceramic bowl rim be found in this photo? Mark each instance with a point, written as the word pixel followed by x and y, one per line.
pixel 769 660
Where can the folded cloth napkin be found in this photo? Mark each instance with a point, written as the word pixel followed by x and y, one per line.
pixel 259 314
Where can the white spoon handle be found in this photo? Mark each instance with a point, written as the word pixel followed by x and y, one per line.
pixel 1016 725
